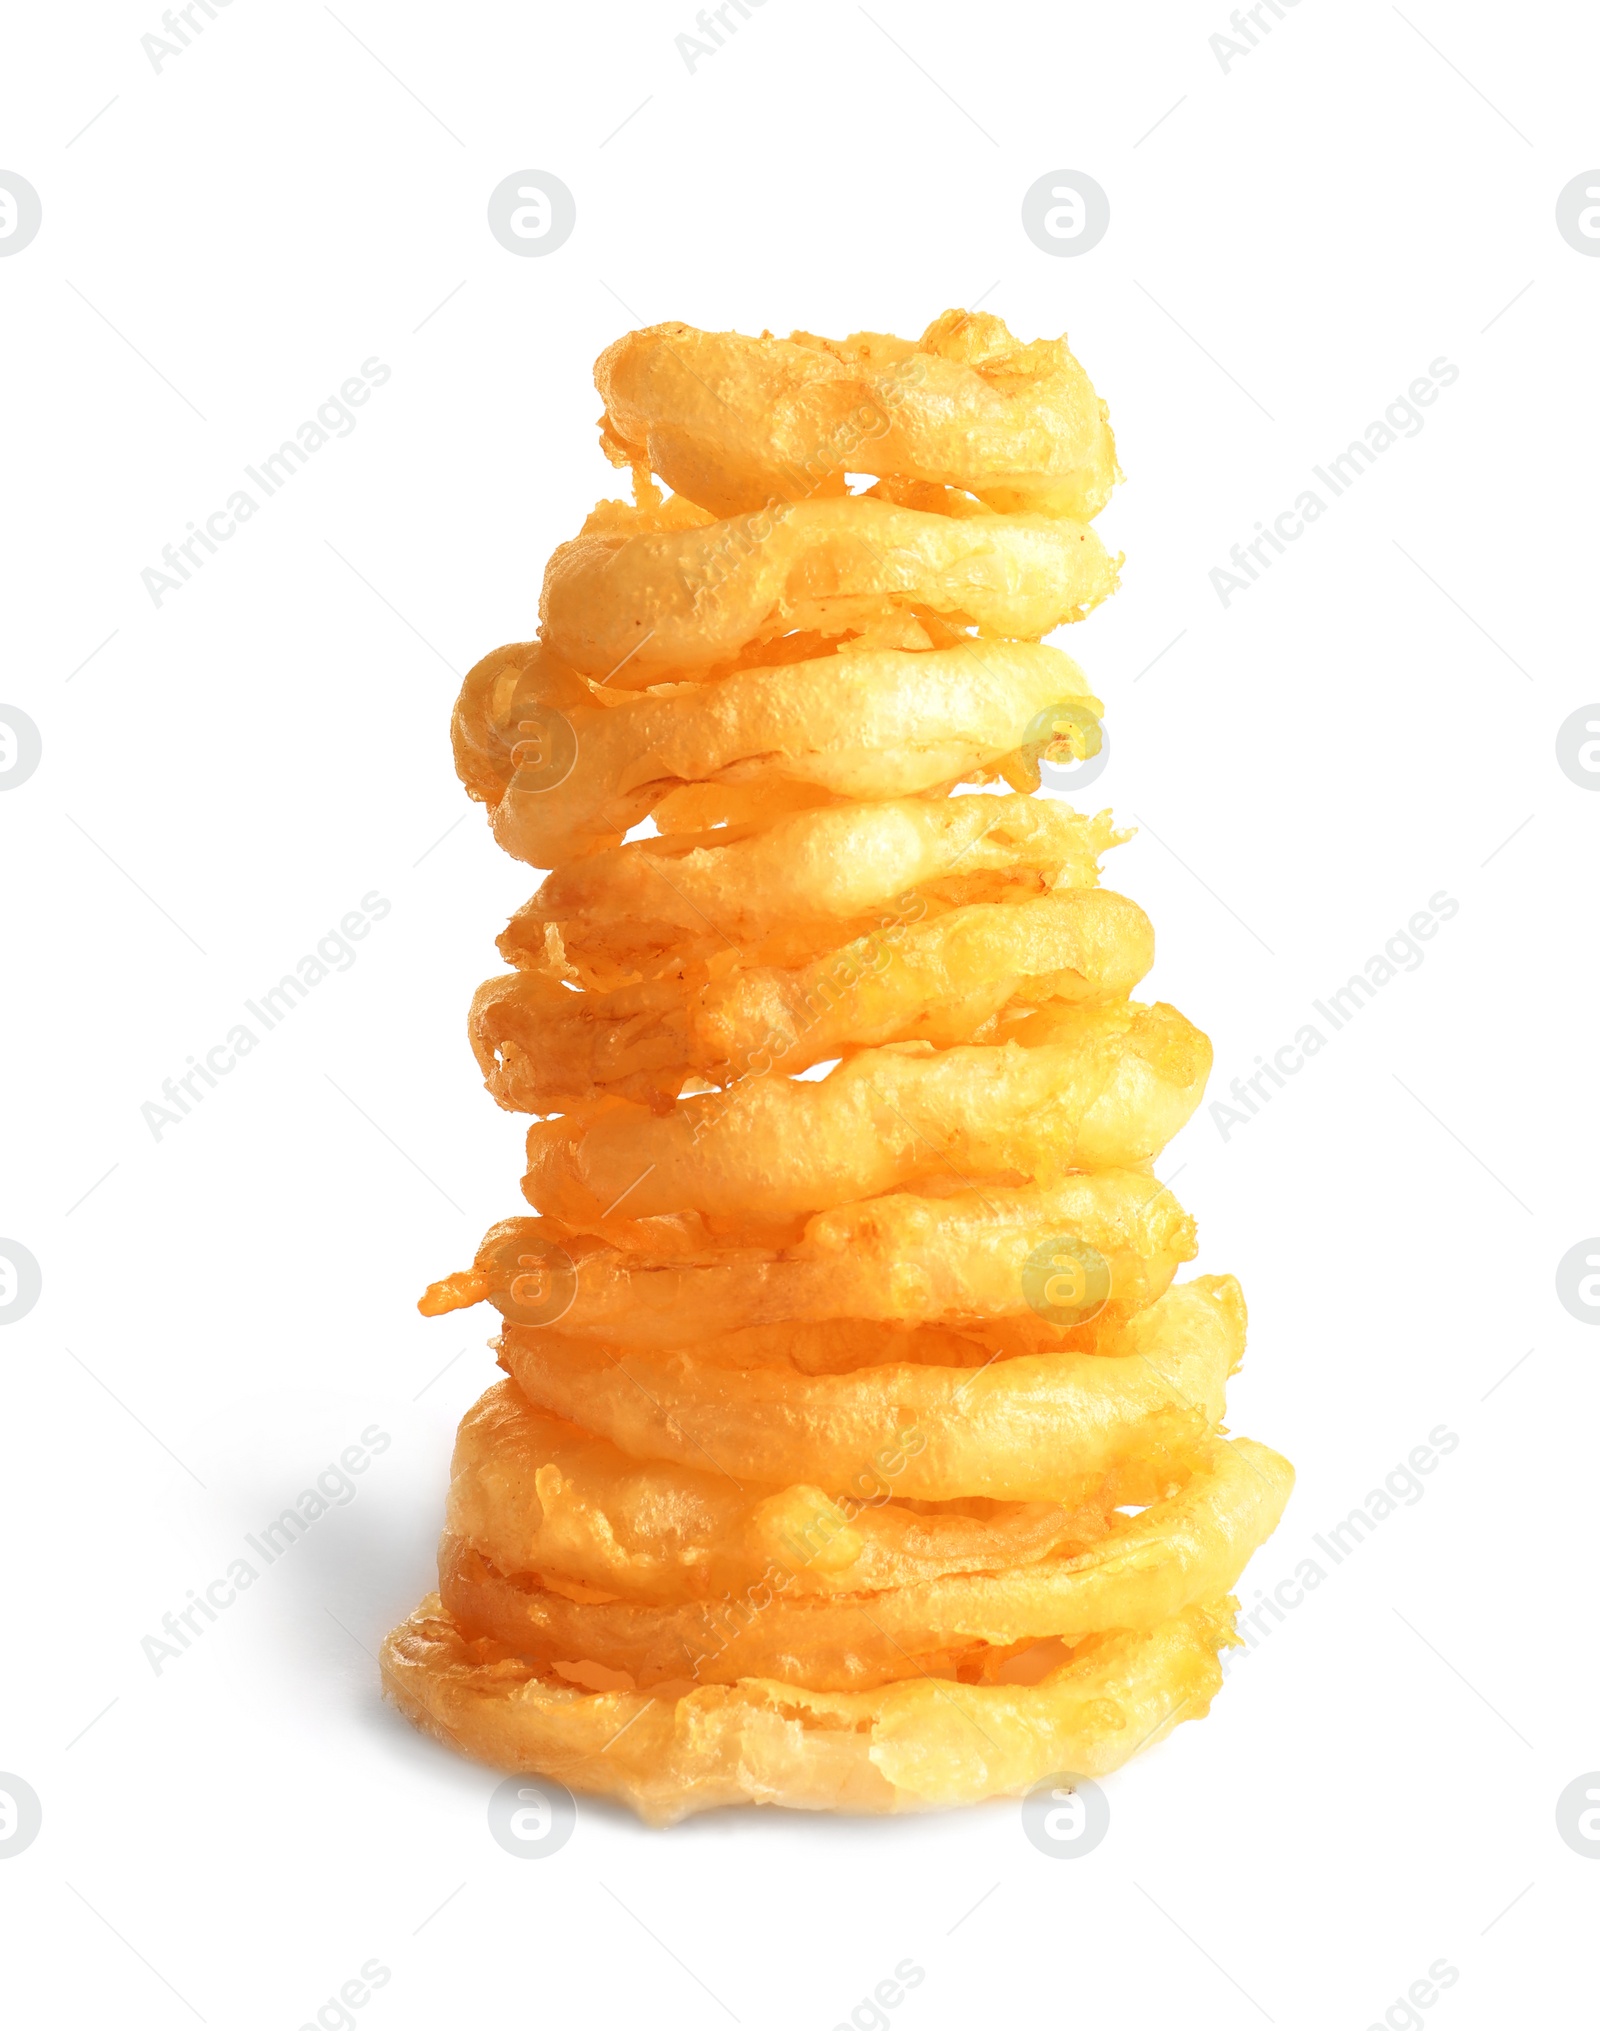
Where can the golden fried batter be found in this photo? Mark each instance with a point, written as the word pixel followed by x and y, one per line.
pixel 856 1448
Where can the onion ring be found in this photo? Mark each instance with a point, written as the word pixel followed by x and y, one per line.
pixel 535 1493
pixel 1084 1089
pixel 943 980
pixel 957 1260
pixel 637 595
pixel 785 893
pixel 1128 1420
pixel 733 422
pixel 907 1747
pixel 867 723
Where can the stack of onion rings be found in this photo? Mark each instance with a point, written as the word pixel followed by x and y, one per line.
pixel 857 1449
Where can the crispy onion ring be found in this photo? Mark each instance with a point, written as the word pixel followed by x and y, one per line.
pixel 1128 1418
pixel 907 1747
pixel 537 1494
pixel 1079 1089
pixel 857 1448
pixel 784 894
pixel 867 723
pixel 638 595
pixel 946 980
pixel 902 1258
pixel 734 422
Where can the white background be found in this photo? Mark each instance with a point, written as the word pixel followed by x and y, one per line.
pixel 229 773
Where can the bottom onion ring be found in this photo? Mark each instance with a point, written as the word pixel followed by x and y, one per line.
pixel 912 1746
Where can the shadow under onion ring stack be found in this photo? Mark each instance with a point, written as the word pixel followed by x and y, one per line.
pixel 856 1449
